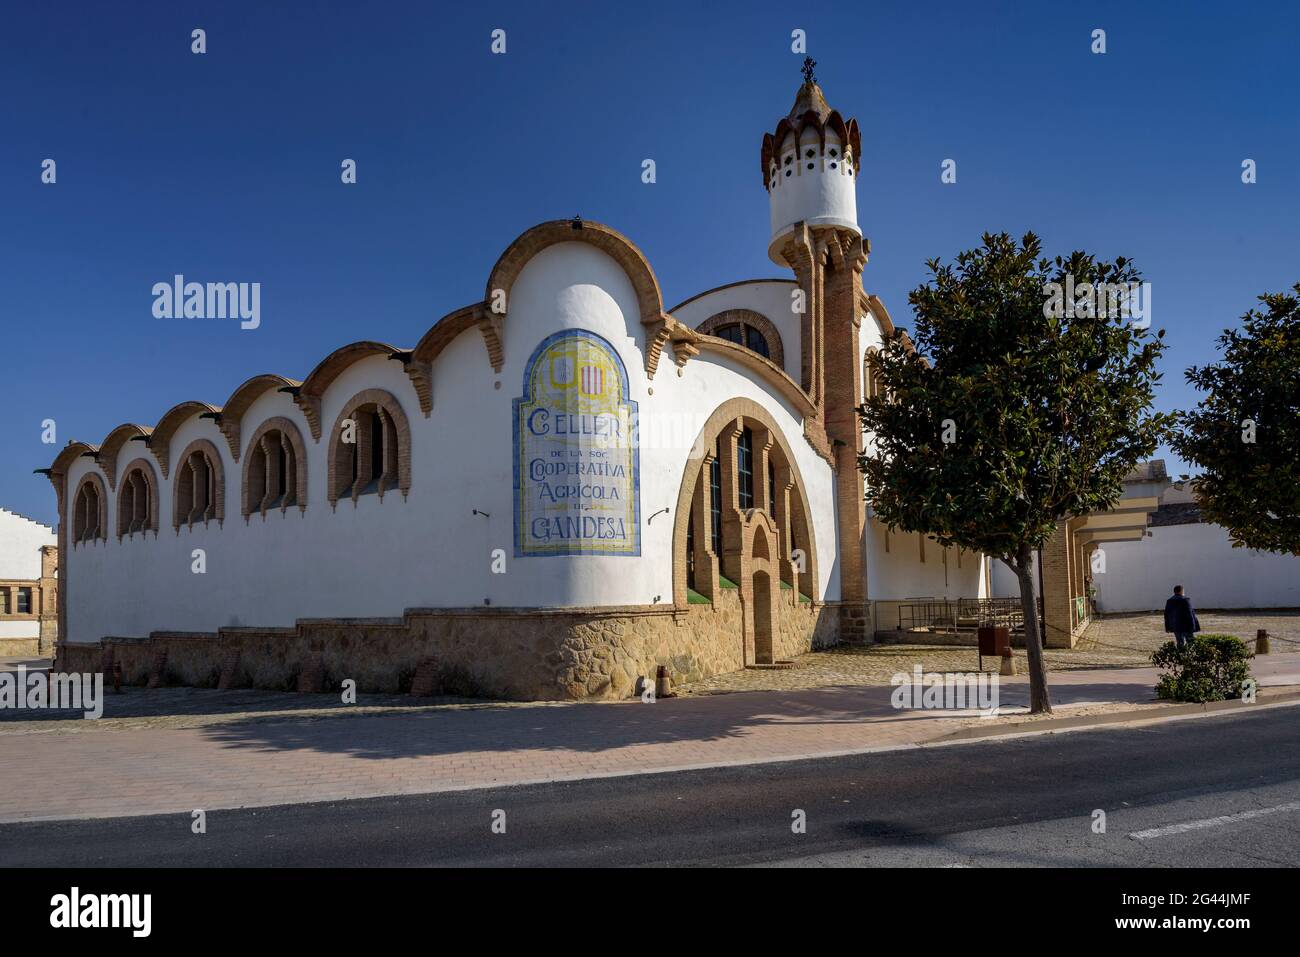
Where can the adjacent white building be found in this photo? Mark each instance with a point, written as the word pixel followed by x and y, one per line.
pixel 28 566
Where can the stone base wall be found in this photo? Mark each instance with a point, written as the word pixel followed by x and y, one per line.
pixel 513 654
pixel 24 648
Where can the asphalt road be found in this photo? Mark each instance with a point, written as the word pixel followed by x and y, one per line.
pixel 1221 791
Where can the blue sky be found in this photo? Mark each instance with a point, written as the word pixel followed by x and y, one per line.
pixel 225 166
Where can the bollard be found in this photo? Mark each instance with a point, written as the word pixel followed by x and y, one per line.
pixel 663 683
pixel 1008 668
pixel 1261 642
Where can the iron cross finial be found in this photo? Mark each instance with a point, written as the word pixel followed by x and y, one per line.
pixel 808 64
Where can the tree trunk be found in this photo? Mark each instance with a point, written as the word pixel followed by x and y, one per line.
pixel 1040 701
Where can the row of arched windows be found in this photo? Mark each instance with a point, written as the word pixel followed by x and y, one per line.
pixel 369 453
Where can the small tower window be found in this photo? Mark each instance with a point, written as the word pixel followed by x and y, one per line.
pixel 834 151
pixel 809 154
pixel 810 165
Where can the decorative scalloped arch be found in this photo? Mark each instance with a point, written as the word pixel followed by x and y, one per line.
pixel 110 448
pixel 232 413
pixel 610 241
pixel 330 368
pixel 173 419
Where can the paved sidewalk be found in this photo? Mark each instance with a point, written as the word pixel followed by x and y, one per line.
pixel 51 776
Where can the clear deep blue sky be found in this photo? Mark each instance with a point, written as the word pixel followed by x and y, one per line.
pixel 225 167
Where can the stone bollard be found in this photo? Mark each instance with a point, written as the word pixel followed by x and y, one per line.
pixel 663 683
pixel 1008 669
pixel 1261 643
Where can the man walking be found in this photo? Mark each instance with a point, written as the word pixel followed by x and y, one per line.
pixel 1180 618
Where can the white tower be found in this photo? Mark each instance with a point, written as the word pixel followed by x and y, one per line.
pixel 810 167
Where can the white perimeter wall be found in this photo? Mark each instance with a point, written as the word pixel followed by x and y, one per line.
pixel 1140 575
pixel 378 558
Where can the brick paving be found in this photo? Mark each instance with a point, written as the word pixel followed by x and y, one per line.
pixel 110 768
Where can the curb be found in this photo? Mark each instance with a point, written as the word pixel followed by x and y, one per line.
pixel 1115 717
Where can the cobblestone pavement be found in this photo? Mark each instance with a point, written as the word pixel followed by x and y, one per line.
pixel 1116 642
pixel 1146 632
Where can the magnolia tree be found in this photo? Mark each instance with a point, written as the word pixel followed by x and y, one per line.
pixel 1245 433
pixel 1024 399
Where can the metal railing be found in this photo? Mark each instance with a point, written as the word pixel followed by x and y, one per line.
pixel 951 615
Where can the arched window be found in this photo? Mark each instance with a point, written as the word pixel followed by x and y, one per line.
pixel 745 468
pixel 137 500
pixel 746 328
pixel 200 494
pixel 370 448
pixel 744 335
pixel 90 510
pixel 275 468
pixel 870 374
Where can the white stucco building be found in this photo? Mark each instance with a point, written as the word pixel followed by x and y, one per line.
pixel 555 491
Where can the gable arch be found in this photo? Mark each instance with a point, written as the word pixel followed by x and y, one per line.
pixel 112 445
pixel 242 399
pixel 160 440
pixel 660 327
pixel 308 395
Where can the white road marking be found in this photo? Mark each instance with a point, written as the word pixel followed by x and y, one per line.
pixel 1213 821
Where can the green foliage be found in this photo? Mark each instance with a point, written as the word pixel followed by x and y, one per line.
pixel 1210 668
pixel 1049 413
pixel 1251 488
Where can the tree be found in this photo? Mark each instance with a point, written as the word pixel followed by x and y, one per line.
pixel 1245 431
pixel 1019 404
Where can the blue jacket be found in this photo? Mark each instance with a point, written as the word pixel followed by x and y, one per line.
pixel 1180 617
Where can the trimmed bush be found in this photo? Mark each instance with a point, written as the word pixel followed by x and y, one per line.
pixel 1210 668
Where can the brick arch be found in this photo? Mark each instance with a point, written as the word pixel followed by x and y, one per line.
pixel 760 587
pixel 217 504
pixel 289 429
pixel 660 327
pixel 387 402
pixel 112 446
pixel 309 394
pixel 149 481
pixel 775 348
pixel 735 413
pixel 248 392
pixel 160 439
pixel 79 522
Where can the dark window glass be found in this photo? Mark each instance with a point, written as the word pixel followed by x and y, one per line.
pixel 24 601
pixel 755 341
pixel 734 332
pixel 715 498
pixel 745 468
